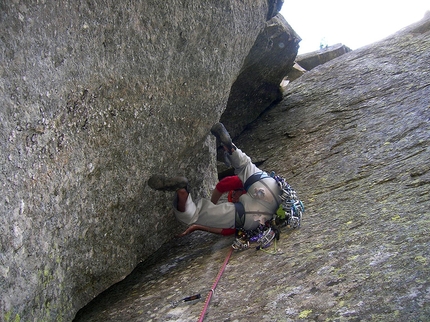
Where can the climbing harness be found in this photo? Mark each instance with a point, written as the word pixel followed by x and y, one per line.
pixel 289 213
pixel 263 236
pixel 240 214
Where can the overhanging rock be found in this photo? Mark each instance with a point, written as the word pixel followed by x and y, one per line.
pixel 258 84
pixel 315 58
pixel 96 96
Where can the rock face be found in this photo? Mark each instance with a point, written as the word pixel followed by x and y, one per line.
pixel 296 72
pixel 96 97
pixel 315 58
pixel 258 84
pixel 352 136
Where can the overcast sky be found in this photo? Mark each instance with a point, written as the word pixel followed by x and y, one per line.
pixel 352 23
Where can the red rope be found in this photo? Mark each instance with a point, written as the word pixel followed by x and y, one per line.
pixel 212 290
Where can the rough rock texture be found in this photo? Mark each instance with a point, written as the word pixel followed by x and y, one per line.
pixel 258 84
pixel 95 97
pixel 296 72
pixel 353 138
pixel 315 58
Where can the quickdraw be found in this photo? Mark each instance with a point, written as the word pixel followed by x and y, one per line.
pixel 263 237
pixel 191 298
pixel 291 210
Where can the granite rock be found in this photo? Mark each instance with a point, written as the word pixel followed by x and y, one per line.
pixel 96 96
pixel 352 137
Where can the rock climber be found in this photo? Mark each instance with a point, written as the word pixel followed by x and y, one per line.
pixel 255 207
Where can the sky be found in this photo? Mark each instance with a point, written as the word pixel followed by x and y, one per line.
pixel 350 22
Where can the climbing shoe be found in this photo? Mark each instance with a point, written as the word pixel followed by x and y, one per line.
pixel 219 131
pixel 163 183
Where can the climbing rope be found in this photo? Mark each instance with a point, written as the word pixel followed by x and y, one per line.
pixel 214 285
pixel 265 240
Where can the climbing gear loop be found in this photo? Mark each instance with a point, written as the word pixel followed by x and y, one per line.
pixel 291 209
pixel 289 214
pixel 262 236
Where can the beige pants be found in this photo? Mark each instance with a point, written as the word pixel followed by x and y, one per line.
pixel 205 213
